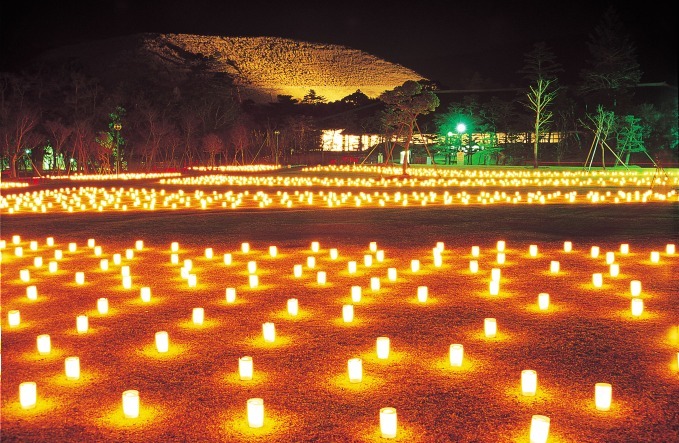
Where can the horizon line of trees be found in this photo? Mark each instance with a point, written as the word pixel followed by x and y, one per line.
pixel 63 120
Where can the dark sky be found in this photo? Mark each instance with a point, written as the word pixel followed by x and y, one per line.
pixel 440 40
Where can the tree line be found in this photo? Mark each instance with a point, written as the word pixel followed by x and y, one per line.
pixel 60 120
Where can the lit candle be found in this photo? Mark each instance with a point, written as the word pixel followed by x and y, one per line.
pixel 102 305
pixel 127 281
pixel 116 259
pixel 422 293
pixel 529 382
pixel 44 344
pixel 610 257
pixel 348 313
pixel 245 368
pixel 533 250
pixel 315 246
pixel 321 277
pixel 494 287
pixel 131 403
pixel 655 256
pixel 72 247
pixel 16 239
pixel 273 251
pixel 198 315
pixel 414 265
pixel 58 254
pixel 456 354
pixel 379 256
pixel 375 283
pixel 539 429
pixel 670 249
pixel 139 245
pixel 297 271
pixel 490 327
pixel 624 248
pixel 501 258
pixel 554 267
pixel 391 274
pixel 614 270
pixel 597 280
pixel 52 267
pixel 368 260
pixel 230 295
pixel 637 307
pixel 293 306
pixel 174 246
pixel 162 341
pixel 475 251
pixel 602 396
pixel 80 278
pixel 373 246
pixel 209 253
pixel 635 288
pixel 351 267
pixel 382 347
pixel 334 254
pixel 81 324
pixel 228 259
pixel 103 264
pixel 388 422
pixel 24 275
pixel 13 318
pixel 72 368
pixel 311 262
pixel 129 254
pixel 33 245
pixel 543 301
pixel 32 292
pixel 145 293
pixel 19 251
pixel 473 266
pixel 254 280
pixel 37 262
pixel 255 408
pixel 28 394
pixel 50 241
pixel 355 369
pixel 501 245
pixel 269 332
pixel 594 252
pixel 355 294
pixel 567 246
pixel 245 247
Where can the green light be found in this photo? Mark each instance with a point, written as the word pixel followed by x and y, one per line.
pixel 450 133
pixel 460 128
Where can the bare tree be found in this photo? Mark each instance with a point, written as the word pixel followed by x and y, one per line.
pixel 539 98
pixel 60 134
pixel 213 145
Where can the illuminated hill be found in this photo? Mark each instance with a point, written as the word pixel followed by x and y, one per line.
pixel 260 67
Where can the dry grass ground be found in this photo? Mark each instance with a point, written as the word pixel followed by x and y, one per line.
pixel 193 393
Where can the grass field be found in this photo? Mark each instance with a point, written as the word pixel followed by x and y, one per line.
pixel 193 392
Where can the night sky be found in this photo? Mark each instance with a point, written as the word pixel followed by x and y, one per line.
pixel 441 40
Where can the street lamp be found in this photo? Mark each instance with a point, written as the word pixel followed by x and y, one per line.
pixel 276 132
pixel 461 128
pixel 450 145
pixel 117 127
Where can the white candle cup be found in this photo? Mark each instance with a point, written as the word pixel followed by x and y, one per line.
pixel 174 246
pixel 162 341
pixel 102 305
pixel 245 368
pixel 348 313
pixel 414 265
pixel 367 260
pixel 28 394
pixel 52 266
pixel 355 294
pixel 255 411
pixel 13 318
pixel 297 271
pixel 501 258
pixel 253 280
pixel 209 253
pixel 315 246
pixel 293 306
pixel 610 257
pixel 145 294
pixel 129 254
pixel 25 275
pixel 529 382
pixel 245 248
pixel 391 274
pixel 72 368
pixel 269 332
pixel 456 355
pixel 198 316
pixel 539 429
pixel 637 307
pixel 383 345
pixel 490 327
pixel 117 259
pixel 230 295
pixel 543 301
pixel 80 278
pixel 602 396
pixel 614 270
pixel 473 266
pixel 44 344
pixel 500 245
pixel 624 248
pixel 594 251
pixel 355 370
pixel 131 403
pixel 533 250
pixel 32 292
pixel 373 246
pixel 311 262
pixel 635 288
pixel 670 249
pixel 554 267
pixel 655 257
pixel 379 256
pixel 139 245
pixel 103 264
pixel 351 267
pixel 494 287
pixel 422 293
pixel 476 251
pixel 228 259
pixel 597 280
pixel 567 246
pixel 81 324
pixel 252 267
pixel 273 251
pixel 388 422
pixel 334 254
pixel 321 277
pixel 375 283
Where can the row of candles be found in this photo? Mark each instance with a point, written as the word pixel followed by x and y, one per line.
pixel 102 199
